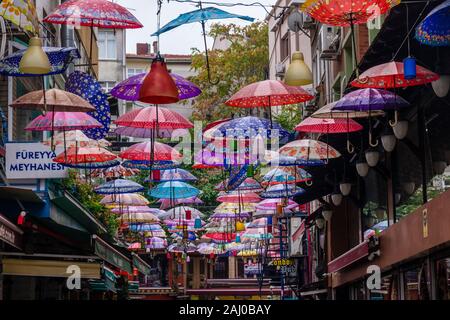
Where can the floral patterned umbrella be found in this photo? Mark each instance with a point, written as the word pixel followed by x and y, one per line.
pixel 391 75
pixel 175 175
pixel 93 13
pixel 76 138
pixel 22 13
pixel 143 152
pixel 59 58
pixel 281 191
pixel 235 208
pixel 149 133
pixel 268 93
pixel 308 149
pixel 289 175
pixel 128 199
pixel 321 125
pixel 119 186
pixel 63 121
pixel 237 197
pixel 434 30
pixel 84 155
pixel 115 172
pixel 152 117
pixel 129 89
pixel 346 12
pixel 150 165
pixel 370 99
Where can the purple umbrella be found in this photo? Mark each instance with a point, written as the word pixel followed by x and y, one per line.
pixel 370 99
pixel 129 89
pixel 225 215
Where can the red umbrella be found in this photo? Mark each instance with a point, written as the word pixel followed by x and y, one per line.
pixel 338 125
pixel 215 123
pixel 150 117
pixel 143 152
pixel 220 236
pixel 250 197
pixel 93 13
pixel 63 121
pixel 75 155
pixel 268 93
pixel 391 75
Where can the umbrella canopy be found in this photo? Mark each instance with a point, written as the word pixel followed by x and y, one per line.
pixel 75 138
pixel 63 121
pixel 144 227
pixel 22 13
pixel 128 199
pixel 257 233
pixel 180 212
pixel 246 128
pixel 139 217
pixel 119 186
pixel 328 112
pixel 177 175
pixel 84 155
pixel 275 159
pixel 59 58
pixel 391 75
pixel 307 149
pixel 281 191
pixel 179 248
pixel 249 184
pixel 55 100
pixel 231 215
pixel 220 236
pixel 115 172
pixel 174 190
pixel 155 243
pixel 150 165
pixel 258 223
pixel 136 209
pixel 149 133
pixel 285 175
pixel 168 203
pixel 235 208
pixel 92 165
pixel 271 204
pixel 434 30
pixel 200 15
pixel 129 89
pixel 143 152
pixel 268 93
pixel 321 125
pixel 150 117
pixel 346 12
pixel 370 99
pixel 93 13
pixel 234 197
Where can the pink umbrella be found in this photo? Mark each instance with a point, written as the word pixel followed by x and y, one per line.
pixel 234 197
pixel 148 133
pixel 143 152
pixel 168 203
pixel 271 204
pixel 127 199
pixel 63 121
pixel 152 117
pixel 258 223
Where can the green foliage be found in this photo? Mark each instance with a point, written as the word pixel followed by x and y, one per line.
pixel 415 201
pixel 207 180
pixel 289 116
pixel 244 62
pixel 84 193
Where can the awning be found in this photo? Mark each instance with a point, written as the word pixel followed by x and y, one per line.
pixel 111 255
pixel 49 268
pixel 10 233
pixel 22 194
pixel 140 264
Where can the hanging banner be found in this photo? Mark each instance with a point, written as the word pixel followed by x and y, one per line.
pixel 33 160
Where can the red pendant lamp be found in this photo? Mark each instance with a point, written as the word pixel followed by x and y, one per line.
pixel 158 86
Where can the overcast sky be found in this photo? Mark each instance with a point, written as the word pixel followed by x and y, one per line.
pixel 182 39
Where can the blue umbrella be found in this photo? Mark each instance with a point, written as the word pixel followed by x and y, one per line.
pixel 59 59
pixel 281 191
pixel 92 165
pixel 148 165
pixel 119 186
pixel 201 15
pixel 145 227
pixel 175 175
pixel 434 30
pixel 174 190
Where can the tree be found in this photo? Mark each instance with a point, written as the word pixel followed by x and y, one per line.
pixel 245 61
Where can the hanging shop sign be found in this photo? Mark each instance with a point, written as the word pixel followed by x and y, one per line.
pixel 297 230
pixel 284 265
pixel 10 234
pixel 33 160
pixel 251 268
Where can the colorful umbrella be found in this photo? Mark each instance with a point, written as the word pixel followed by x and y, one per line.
pixel 144 227
pixel 76 138
pixel 220 236
pixel 154 117
pixel 391 75
pixel 246 128
pixel 347 12
pixel 177 248
pixel 257 234
pixel 93 13
pixel 129 199
pixel 84 155
pixel 155 243
pixel 281 191
pixel 134 246
pixel 119 186
pixel 370 99
pixel 307 149
pixel 235 197
pixel 328 112
pixel 289 175
pixel 168 203
pixel 230 215
pixel 174 190
pixel 129 89
pixel 115 172
pixel 139 217
pixel 434 30
pixel 150 165
pixel 149 133
pixel 271 204
pixel 258 223
pixel 235 208
pixel 268 93
pixel 55 100
pixel 275 159
pixel 87 87
pixel 143 152
pixel 92 165
pixel 180 212
pixel 176 175
pixel 59 58
pixel 22 13
pixel 137 209
pixel 63 121
pixel 321 125
pixel 249 184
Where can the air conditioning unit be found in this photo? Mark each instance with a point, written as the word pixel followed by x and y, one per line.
pixel 280 69
pixel 308 22
pixel 329 42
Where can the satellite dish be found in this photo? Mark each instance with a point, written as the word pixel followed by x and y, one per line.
pixel 295 21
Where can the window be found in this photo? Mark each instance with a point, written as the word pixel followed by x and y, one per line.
pixel 443 277
pixel 417 284
pixel 107 45
pixel 133 71
pixel 107 85
pixel 284 47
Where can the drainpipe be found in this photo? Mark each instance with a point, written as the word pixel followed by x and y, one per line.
pixel 68 40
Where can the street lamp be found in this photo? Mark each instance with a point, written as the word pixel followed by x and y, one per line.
pixel 372 157
pixel 400 129
pixel 362 168
pixel 327 213
pixel 345 187
pixel 320 222
pixel 298 73
pixel 388 140
pixel 35 60
pixel 336 198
